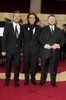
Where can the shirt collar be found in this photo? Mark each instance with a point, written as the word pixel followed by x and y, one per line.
pixel 18 27
pixel 15 24
pixel 52 27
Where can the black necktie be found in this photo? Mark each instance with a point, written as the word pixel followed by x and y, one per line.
pixel 52 30
pixel 16 31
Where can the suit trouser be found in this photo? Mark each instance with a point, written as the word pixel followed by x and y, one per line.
pixel 64 51
pixel 45 62
pixel 30 60
pixel 16 58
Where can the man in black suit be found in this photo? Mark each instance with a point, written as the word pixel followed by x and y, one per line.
pixel 64 46
pixel 30 47
pixel 63 49
pixel 11 47
pixel 51 40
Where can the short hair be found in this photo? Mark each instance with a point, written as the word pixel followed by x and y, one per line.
pixel 16 12
pixel 6 19
pixel 31 14
pixel 21 21
pixel 10 20
pixel 51 15
pixel 64 25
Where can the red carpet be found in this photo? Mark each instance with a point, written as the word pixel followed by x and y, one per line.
pixel 61 67
pixel 30 92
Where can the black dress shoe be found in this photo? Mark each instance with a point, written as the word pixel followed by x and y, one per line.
pixel 26 83
pixel 41 83
pixel 16 84
pixel 34 83
pixel 54 85
pixel 7 83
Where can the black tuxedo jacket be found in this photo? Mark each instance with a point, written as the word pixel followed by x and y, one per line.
pixel 64 33
pixel 10 43
pixel 46 37
pixel 28 42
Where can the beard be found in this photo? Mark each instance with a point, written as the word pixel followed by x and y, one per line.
pixel 16 21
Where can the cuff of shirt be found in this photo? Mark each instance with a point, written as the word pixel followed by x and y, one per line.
pixel 45 46
pixel 59 47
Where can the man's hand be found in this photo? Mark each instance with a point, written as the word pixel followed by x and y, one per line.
pixel 55 46
pixel 3 53
pixel 47 46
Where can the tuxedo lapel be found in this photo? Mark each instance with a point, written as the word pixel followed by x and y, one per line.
pixel 55 32
pixel 48 33
pixel 12 30
pixel 12 27
pixel 36 31
pixel 36 28
pixel 48 29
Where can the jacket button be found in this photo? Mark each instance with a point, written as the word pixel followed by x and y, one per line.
pixel 16 45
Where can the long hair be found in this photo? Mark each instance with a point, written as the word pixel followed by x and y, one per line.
pixel 32 14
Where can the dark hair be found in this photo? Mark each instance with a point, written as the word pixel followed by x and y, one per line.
pixel 64 25
pixel 37 20
pixel 10 20
pixel 31 14
pixel 21 21
pixel 16 12
pixel 6 19
pixel 51 15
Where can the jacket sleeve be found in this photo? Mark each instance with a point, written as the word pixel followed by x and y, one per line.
pixel 41 37
pixel 62 39
pixel 4 40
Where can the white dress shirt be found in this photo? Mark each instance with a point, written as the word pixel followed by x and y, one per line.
pixel 51 28
pixel 32 30
pixel 18 27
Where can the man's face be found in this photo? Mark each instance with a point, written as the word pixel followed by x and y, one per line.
pixel 16 18
pixel 31 19
pixel 51 20
pixel 63 27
